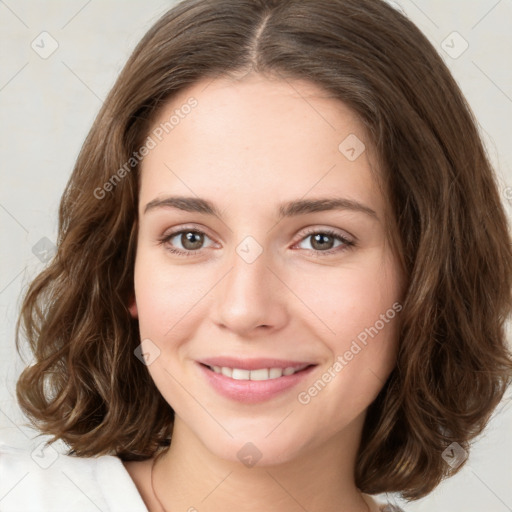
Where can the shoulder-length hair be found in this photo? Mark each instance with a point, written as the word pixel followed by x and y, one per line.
pixel 447 225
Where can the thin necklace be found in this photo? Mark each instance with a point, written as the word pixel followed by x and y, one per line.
pixel 152 486
pixel 165 510
pixel 367 506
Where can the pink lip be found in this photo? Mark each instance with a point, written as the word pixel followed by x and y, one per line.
pixel 252 364
pixel 253 391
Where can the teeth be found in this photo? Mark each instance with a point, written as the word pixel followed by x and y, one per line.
pixel 240 374
pixel 275 373
pixel 228 372
pixel 260 374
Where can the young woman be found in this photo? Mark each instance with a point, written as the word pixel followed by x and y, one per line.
pixel 282 275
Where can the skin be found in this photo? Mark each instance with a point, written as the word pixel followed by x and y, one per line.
pixel 247 147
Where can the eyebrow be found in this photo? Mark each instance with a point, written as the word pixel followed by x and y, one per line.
pixel 288 209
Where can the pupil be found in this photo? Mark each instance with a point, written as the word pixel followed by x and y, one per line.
pixel 189 240
pixel 317 239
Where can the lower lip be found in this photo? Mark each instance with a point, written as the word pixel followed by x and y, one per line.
pixel 252 391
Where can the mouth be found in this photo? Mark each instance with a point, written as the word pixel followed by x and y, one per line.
pixel 259 374
pixel 253 380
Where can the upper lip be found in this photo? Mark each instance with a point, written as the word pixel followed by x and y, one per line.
pixel 253 364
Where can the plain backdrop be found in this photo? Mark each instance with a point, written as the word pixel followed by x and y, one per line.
pixel 58 60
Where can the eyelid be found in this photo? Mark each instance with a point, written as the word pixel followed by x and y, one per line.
pixel 186 227
pixel 327 230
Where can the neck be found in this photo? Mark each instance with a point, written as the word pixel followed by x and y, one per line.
pixel 189 477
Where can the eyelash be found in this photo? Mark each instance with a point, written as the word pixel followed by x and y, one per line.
pixel 348 244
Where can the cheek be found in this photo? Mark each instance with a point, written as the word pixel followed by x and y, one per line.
pixel 356 315
pixel 168 296
pixel 347 300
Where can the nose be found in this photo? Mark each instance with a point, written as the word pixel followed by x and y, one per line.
pixel 251 298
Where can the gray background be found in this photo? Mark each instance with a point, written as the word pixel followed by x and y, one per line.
pixel 47 106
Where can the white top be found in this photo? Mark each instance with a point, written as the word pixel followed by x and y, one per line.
pixel 45 480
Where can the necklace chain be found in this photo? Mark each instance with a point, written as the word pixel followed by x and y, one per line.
pixel 165 510
pixel 152 485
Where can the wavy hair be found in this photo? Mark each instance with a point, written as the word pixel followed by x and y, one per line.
pixel 449 229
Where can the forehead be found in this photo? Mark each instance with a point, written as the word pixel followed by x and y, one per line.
pixel 263 105
pixel 281 138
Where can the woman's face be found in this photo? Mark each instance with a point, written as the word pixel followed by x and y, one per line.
pixel 264 190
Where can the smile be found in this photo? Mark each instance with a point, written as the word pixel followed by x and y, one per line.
pixel 253 380
pixel 258 374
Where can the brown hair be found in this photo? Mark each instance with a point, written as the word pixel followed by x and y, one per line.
pixel 449 230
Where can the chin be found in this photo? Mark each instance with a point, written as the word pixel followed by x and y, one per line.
pixel 258 448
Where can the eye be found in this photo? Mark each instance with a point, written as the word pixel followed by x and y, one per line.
pixel 191 241
pixel 323 241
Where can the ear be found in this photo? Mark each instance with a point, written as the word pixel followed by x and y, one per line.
pixel 132 307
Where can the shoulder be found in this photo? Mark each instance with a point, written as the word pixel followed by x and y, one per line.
pixel 43 479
